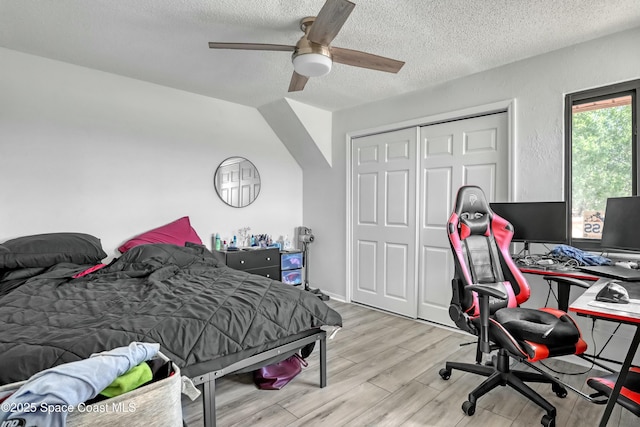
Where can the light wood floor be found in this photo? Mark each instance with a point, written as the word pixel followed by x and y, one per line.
pixel 383 371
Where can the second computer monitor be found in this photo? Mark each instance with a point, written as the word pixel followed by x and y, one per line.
pixel 535 222
pixel 620 229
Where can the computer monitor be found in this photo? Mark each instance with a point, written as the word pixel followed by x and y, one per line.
pixel 535 222
pixel 620 230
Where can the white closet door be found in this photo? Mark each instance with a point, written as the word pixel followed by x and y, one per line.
pixel 470 151
pixel 384 221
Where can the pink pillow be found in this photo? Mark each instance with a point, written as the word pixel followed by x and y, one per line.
pixel 177 233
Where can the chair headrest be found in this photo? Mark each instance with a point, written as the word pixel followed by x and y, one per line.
pixel 472 211
pixel 472 202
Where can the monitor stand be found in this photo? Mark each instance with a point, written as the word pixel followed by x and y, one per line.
pixel 525 252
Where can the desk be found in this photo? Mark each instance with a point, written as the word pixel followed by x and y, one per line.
pixel 571 273
pixel 632 316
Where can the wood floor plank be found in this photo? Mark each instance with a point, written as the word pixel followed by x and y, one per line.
pixel 397 321
pixel 392 338
pixel 364 341
pixel 628 419
pixel 438 412
pixel 348 380
pixel 344 408
pixel 348 311
pixel 532 412
pixel 428 335
pixel 585 413
pixel 484 418
pixel 361 322
pixel 431 376
pixel 503 401
pixel 273 415
pixel 369 344
pixel 412 367
pixel 396 408
pixel 447 405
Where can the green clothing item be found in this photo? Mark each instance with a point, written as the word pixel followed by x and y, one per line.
pixel 128 381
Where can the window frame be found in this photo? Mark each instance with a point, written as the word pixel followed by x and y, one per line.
pixel 590 95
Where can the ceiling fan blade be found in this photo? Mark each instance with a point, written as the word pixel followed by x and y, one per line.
pixel 252 46
pixel 365 60
pixel 297 82
pixel 329 21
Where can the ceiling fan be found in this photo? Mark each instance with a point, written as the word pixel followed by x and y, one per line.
pixel 313 55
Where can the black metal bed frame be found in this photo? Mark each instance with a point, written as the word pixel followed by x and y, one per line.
pixel 208 380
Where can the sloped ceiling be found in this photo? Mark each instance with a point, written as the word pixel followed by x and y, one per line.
pixel 165 41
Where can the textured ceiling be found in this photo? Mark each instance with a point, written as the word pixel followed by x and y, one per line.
pixel 165 41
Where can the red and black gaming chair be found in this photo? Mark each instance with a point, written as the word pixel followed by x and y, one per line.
pixel 487 291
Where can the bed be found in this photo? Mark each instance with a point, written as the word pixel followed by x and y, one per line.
pixel 210 320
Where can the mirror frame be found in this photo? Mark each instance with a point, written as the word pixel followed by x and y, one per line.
pixel 237 182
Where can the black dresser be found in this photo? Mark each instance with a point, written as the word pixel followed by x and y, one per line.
pixel 265 262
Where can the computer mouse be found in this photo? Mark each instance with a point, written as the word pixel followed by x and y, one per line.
pixel 613 292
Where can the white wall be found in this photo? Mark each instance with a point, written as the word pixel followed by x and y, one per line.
pixel 538 86
pixel 82 150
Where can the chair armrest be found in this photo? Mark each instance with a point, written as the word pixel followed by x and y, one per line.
pixel 485 291
pixel 491 289
pixel 564 288
pixel 568 281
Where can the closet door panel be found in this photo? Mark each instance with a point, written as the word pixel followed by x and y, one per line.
pixel 384 221
pixel 469 151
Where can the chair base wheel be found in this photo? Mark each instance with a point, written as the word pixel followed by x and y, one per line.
pixel 560 391
pixel 445 374
pixel 548 421
pixel 468 408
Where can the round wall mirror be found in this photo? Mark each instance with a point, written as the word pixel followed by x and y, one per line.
pixel 237 182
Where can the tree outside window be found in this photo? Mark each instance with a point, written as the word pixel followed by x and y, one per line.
pixel 601 156
pixel 601 161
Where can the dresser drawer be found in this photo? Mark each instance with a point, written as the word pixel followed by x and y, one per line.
pixel 248 260
pixel 259 258
pixel 270 272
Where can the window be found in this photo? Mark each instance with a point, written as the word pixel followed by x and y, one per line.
pixel 601 157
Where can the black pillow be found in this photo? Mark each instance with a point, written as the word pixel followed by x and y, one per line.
pixel 46 250
pixel 159 254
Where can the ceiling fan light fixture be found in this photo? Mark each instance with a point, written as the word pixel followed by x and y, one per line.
pixel 312 64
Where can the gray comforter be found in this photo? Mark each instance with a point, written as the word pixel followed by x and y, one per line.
pixel 203 315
